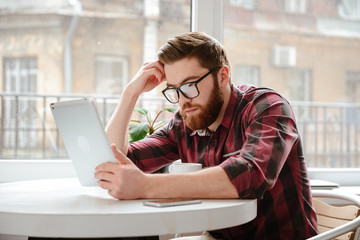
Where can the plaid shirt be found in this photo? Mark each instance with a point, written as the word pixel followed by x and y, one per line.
pixel 259 147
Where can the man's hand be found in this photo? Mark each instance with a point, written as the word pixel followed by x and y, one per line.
pixel 150 75
pixel 123 180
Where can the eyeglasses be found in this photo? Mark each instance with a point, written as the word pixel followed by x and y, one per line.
pixel 188 90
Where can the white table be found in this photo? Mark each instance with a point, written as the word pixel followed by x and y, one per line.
pixel 63 208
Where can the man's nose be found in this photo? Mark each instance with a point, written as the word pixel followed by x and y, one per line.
pixel 183 99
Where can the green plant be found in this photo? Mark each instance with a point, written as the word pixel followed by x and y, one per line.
pixel 139 130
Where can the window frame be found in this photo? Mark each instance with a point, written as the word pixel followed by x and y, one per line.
pixel 207 16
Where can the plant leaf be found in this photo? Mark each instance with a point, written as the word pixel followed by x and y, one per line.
pixel 170 109
pixel 138 132
pixel 142 111
pixel 158 125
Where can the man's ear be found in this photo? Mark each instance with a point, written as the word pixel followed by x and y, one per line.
pixel 224 76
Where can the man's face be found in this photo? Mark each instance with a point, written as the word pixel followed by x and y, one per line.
pixel 201 111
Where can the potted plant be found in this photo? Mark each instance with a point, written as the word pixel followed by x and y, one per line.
pixel 140 129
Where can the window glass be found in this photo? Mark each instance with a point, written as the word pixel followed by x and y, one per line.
pixel 246 75
pixel 54 50
pixel 111 74
pixel 299 85
pixel 309 51
pixel 353 86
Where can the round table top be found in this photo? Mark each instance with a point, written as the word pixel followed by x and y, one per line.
pixel 63 208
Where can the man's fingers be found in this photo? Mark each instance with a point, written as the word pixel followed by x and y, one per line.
pixel 120 157
pixel 106 167
pixel 105 175
pixel 104 184
pixel 159 69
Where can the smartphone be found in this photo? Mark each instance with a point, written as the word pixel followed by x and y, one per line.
pixel 171 202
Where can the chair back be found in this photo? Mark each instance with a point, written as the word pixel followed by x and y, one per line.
pixel 330 217
pixel 336 222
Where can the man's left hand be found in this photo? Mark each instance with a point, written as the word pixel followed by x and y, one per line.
pixel 123 180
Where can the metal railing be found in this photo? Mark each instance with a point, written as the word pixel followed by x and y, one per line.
pixel 330 131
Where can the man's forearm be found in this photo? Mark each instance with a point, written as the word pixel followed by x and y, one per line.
pixel 117 128
pixel 207 183
pixel 149 76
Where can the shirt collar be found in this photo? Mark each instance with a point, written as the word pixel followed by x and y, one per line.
pixel 201 132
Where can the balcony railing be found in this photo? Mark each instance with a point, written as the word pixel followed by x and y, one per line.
pixel 330 131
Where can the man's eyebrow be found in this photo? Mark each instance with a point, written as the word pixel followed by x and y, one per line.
pixel 183 81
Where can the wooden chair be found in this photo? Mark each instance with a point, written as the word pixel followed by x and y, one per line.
pixel 337 222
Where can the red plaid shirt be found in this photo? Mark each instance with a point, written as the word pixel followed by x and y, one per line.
pixel 259 147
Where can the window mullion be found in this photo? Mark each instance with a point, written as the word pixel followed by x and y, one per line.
pixel 207 16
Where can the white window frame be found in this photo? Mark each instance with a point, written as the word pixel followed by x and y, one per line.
pixel 202 10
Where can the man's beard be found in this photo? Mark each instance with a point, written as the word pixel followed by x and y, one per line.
pixel 208 113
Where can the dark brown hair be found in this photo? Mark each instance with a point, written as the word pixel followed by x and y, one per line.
pixel 207 50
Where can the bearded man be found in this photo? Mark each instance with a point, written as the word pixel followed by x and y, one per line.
pixel 246 138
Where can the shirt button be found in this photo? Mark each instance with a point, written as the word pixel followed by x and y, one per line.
pixel 212 143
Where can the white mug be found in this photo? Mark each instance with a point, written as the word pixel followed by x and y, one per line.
pixel 179 167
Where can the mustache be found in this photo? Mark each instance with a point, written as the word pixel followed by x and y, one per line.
pixel 188 105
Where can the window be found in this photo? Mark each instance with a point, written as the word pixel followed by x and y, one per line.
pixel 299 85
pixel 324 52
pixel 306 56
pixel 247 4
pixel 353 86
pixel 81 48
pixel 20 74
pixel 72 49
pixel 111 74
pixel 349 9
pixel 295 6
pixel 19 116
pixel 246 75
pixel 299 90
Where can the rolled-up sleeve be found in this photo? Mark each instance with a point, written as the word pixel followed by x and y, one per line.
pixel 155 151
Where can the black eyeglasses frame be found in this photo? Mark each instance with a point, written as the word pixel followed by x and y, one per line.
pixel 179 90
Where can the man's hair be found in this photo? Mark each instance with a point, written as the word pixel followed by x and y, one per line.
pixel 207 50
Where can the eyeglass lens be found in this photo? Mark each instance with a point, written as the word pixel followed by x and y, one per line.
pixel 172 95
pixel 189 90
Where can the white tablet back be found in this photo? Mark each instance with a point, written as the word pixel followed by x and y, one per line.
pixel 84 137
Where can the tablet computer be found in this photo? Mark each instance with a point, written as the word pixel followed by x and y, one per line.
pixel 84 137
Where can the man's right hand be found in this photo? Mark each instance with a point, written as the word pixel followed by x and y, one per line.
pixel 149 76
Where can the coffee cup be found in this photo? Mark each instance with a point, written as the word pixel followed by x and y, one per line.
pixel 179 167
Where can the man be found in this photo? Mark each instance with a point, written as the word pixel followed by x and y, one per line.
pixel 246 138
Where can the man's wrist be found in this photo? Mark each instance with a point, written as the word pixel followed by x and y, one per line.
pixel 131 91
pixel 150 186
